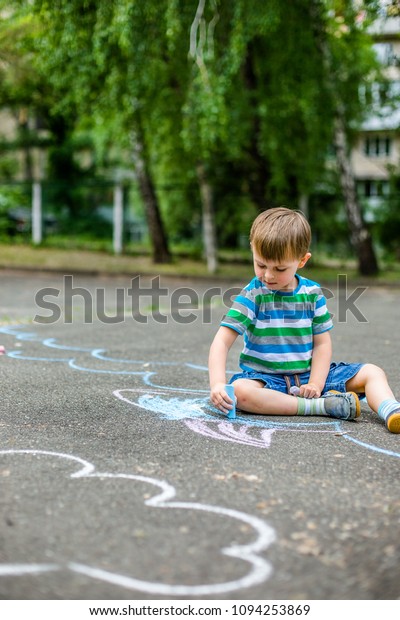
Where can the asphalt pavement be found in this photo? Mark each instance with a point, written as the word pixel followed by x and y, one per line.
pixel 119 481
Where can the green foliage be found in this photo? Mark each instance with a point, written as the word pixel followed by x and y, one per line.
pixel 328 223
pixel 14 198
pixel 240 87
pixel 8 166
pixel 388 223
pixel 353 61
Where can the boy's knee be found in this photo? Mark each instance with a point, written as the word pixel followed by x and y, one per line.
pixel 242 388
pixel 372 370
pixel 368 373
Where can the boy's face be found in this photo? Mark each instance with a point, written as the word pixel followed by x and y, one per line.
pixel 278 276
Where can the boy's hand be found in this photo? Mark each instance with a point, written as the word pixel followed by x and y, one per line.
pixel 220 398
pixel 310 390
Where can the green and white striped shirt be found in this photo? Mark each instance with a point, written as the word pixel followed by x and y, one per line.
pixel 278 327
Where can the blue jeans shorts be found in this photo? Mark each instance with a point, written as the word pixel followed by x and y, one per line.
pixel 339 374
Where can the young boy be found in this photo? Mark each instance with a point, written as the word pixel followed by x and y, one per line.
pixel 287 346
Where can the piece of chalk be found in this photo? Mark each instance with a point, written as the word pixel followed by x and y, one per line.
pixel 230 390
pixel 2 350
pixel 294 390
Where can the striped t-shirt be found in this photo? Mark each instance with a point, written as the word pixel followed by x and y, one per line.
pixel 278 326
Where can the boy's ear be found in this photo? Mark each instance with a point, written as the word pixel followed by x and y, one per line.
pixel 304 260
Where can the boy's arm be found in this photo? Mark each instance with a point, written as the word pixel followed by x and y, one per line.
pixel 224 339
pixel 321 360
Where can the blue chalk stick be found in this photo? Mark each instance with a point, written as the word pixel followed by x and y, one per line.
pixel 230 390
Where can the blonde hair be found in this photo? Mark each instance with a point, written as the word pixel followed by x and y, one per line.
pixel 280 233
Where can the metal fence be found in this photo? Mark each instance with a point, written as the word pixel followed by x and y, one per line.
pixel 40 209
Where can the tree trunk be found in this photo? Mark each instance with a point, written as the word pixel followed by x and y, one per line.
pixel 359 233
pixel 160 251
pixel 23 131
pixel 258 173
pixel 209 232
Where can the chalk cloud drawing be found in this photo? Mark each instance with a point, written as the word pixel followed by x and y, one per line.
pixel 188 405
pixel 254 568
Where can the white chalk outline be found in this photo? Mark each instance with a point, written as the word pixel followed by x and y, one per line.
pixel 260 571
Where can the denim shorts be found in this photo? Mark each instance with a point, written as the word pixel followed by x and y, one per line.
pixel 339 374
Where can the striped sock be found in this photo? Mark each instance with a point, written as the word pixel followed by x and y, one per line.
pixel 387 407
pixel 311 406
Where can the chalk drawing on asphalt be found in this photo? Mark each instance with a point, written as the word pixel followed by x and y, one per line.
pixel 189 405
pixel 246 557
pixel 201 417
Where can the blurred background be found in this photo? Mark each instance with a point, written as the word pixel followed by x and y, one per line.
pixel 161 128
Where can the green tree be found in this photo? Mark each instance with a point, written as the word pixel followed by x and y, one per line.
pixel 26 92
pixel 284 84
pixel 347 56
pixel 253 104
pixel 245 95
pixel 19 85
pixel 105 59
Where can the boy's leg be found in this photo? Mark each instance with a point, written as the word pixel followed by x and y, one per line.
pixel 253 397
pixel 372 380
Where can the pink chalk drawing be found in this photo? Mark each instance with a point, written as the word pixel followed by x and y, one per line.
pixel 227 432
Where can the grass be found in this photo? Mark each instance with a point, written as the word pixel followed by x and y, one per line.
pixel 233 266
pixel 25 256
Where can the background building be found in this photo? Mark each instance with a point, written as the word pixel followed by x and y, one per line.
pixel 376 153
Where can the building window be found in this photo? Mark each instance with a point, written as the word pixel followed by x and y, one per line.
pixel 385 54
pixel 377 146
pixel 373 189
